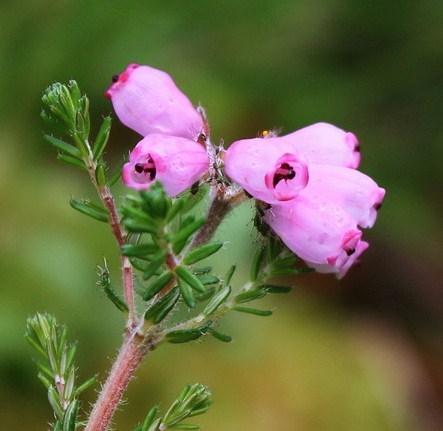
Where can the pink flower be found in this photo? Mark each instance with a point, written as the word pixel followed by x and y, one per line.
pixel 174 161
pixel 321 233
pixel 318 199
pixel 257 164
pixel 148 101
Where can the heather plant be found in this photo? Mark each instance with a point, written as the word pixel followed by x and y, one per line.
pixel 311 204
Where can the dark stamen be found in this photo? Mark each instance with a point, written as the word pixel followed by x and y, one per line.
pixel 284 172
pixel 350 251
pixel 115 78
pixel 146 168
pixel 378 206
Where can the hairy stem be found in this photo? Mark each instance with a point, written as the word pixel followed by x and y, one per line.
pixel 222 204
pixel 105 195
pixel 134 349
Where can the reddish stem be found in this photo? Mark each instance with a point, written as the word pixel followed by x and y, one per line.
pixel 132 352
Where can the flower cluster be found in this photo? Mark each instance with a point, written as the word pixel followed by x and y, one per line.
pixel 148 101
pixel 315 199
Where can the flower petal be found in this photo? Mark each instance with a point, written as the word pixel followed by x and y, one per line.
pixel 148 101
pixel 352 190
pixel 325 144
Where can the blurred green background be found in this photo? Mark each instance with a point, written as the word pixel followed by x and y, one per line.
pixel 362 354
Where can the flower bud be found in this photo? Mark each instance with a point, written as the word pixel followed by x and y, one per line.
pixel 176 162
pixel 148 101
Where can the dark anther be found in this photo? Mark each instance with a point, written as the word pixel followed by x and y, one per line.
pixel 115 78
pixel 139 168
pixel 357 148
pixel 146 168
pixel 350 251
pixel 201 138
pixel 151 172
pixel 284 172
pixel 378 206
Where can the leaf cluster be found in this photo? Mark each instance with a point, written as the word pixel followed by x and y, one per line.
pixel 57 370
pixel 193 400
pixel 66 109
pixel 161 232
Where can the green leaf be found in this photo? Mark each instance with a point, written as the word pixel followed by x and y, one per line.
pixel 251 295
pixel 257 263
pixel 180 239
pixel 229 274
pixel 283 271
pixel 156 203
pixel 149 419
pixel 205 296
pixel 104 282
pixel 46 382
pixel 162 308
pixel 53 398
pixel 175 209
pixel 70 418
pixel 218 299
pixel 208 279
pixel 139 250
pixel 285 262
pixel 219 336
pixel 71 160
pixel 85 386
pixel 64 147
pixel 157 261
pixel 255 311
pixel 187 294
pixel 90 209
pixel 136 226
pixel 100 174
pixel 102 138
pixel 272 288
pixel 185 335
pixel 188 277
pixel 157 285
pixel 274 248
pixel 202 252
pixel 202 270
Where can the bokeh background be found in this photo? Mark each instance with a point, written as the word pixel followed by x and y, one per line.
pixel 363 354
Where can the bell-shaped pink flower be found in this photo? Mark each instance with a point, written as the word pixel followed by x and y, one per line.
pixel 321 233
pixel 176 162
pixel 325 144
pixel 353 191
pixel 266 168
pixel 148 101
